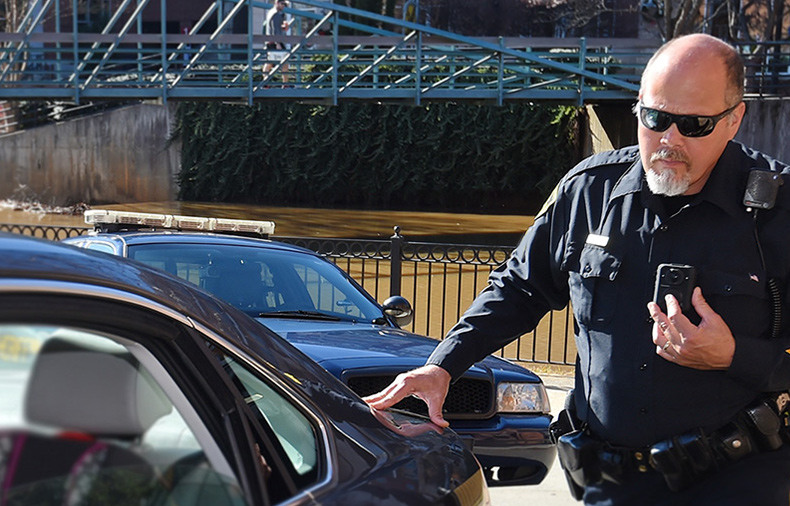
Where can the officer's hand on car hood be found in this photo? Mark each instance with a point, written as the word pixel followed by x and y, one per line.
pixel 429 383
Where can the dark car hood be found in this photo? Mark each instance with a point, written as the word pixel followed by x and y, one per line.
pixel 340 346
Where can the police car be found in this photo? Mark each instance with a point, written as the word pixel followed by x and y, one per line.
pixel 499 408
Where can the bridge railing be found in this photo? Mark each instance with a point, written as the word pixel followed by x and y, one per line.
pixel 391 60
pixel 439 279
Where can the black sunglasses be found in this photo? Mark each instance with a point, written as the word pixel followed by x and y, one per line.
pixel 689 126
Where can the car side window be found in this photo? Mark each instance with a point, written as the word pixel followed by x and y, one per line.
pixel 83 420
pixel 298 437
pixel 101 246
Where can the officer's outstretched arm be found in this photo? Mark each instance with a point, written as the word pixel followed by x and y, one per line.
pixel 429 383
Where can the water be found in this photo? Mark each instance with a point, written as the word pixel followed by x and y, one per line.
pixel 461 228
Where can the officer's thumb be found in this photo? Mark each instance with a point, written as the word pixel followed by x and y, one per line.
pixel 435 413
pixel 700 305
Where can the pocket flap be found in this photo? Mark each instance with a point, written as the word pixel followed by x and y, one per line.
pixel 729 283
pixel 596 262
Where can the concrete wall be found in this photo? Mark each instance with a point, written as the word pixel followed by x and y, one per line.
pixel 113 157
pixel 609 127
pixel 765 127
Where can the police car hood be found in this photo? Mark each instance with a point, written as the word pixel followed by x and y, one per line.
pixel 341 346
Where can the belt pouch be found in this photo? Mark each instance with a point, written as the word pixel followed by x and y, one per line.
pixel 735 442
pixel 683 460
pixel 696 452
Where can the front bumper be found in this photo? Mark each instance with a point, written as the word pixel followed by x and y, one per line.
pixel 512 449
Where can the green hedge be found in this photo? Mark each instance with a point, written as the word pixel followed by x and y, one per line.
pixel 455 157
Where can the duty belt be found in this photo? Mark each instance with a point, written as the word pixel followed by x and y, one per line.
pixel 683 459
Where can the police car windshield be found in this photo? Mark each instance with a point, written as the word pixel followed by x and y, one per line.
pixel 263 281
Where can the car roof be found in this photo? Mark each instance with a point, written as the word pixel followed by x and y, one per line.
pixel 171 236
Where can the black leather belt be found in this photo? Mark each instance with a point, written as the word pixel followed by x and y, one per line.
pixel 683 459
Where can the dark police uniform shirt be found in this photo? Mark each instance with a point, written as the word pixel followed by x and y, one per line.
pixel 598 245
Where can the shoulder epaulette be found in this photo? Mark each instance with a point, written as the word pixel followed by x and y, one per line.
pixel 615 157
pixel 625 156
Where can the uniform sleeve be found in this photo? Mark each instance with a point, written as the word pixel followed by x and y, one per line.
pixel 519 293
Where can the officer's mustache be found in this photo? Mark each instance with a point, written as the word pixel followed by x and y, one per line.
pixel 669 155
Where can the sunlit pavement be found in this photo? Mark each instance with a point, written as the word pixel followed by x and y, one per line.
pixel 553 491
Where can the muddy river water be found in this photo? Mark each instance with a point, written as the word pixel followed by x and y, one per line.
pixel 461 228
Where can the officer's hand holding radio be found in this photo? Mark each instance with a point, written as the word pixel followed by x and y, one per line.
pixel 707 346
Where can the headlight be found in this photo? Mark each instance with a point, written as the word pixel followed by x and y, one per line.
pixel 522 398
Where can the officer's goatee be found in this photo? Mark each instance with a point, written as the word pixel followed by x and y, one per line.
pixel 667 182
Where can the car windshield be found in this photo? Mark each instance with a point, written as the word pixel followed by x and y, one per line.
pixel 264 282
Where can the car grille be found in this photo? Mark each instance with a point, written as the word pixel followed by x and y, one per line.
pixel 467 398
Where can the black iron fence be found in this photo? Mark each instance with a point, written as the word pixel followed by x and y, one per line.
pixel 52 232
pixel 439 279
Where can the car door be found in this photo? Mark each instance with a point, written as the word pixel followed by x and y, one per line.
pixel 129 403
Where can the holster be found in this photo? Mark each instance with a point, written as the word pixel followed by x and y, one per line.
pixel 577 452
pixel 567 432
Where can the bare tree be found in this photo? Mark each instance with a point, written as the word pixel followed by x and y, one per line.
pixel 13 12
pixel 522 17
pixel 758 20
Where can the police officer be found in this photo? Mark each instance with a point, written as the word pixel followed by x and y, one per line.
pixel 671 407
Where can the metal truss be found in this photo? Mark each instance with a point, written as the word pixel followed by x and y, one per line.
pixel 338 54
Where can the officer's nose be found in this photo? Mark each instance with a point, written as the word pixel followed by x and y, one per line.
pixel 671 136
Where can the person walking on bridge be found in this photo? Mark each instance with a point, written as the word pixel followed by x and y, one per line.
pixel 276 23
pixel 680 393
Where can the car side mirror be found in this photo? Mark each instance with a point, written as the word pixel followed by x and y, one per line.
pixel 399 309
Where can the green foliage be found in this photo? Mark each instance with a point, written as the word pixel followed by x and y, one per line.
pixel 358 155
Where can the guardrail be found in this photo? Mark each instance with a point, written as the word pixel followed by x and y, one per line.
pixel 439 279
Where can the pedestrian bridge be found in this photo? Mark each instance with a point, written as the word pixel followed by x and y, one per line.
pixel 386 59
pixel 335 53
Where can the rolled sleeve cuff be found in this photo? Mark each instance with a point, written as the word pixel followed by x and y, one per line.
pixel 454 363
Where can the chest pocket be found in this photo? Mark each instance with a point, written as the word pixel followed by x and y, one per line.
pixel 740 298
pixel 592 290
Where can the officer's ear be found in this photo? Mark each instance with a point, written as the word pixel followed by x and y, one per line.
pixel 734 119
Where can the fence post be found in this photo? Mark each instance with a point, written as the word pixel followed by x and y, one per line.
pixel 395 261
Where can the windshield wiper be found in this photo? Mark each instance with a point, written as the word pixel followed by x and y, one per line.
pixel 299 313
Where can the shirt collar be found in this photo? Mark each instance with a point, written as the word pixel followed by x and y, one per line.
pixel 724 187
pixel 630 181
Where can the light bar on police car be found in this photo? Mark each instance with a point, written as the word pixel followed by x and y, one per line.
pixel 173 221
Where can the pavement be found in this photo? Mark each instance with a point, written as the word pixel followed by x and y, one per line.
pixel 553 490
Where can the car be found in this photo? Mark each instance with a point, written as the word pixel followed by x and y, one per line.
pixel 123 385
pixel 501 409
